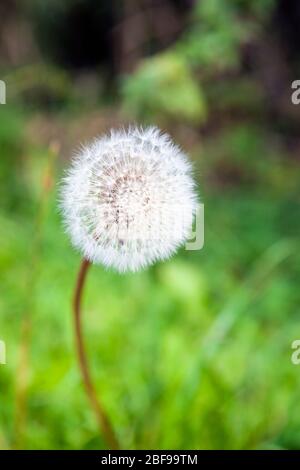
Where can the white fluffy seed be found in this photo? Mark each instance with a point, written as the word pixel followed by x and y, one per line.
pixel 129 199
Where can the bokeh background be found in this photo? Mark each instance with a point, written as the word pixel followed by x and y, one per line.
pixel 194 353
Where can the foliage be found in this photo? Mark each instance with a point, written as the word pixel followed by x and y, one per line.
pixel 40 85
pixel 211 45
pixel 163 85
pixel 183 354
pixel 195 352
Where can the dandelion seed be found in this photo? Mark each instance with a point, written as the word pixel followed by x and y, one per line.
pixel 129 199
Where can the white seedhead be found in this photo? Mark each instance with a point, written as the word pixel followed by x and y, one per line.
pixel 129 199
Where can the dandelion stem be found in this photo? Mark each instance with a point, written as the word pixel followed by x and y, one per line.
pixel 101 416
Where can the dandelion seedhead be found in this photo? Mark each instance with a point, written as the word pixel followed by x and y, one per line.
pixel 129 199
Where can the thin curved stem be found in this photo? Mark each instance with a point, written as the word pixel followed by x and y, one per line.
pixel 102 418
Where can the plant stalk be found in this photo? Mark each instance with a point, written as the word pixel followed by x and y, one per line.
pixel 102 418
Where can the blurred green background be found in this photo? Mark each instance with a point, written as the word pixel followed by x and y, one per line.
pixel 194 353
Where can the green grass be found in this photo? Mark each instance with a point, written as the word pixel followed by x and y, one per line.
pixel 193 353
